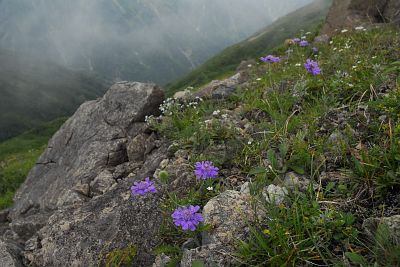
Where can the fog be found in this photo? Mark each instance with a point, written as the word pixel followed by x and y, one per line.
pixel 133 39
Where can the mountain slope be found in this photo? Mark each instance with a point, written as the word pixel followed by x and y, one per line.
pixel 34 91
pixel 260 43
pixel 133 40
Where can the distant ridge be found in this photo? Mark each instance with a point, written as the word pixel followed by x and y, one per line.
pixel 261 42
pixel 34 91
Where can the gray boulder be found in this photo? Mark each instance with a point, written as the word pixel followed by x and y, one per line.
pixel 92 140
pixel 75 206
pixel 83 236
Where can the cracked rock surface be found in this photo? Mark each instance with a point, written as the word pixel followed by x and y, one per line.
pixel 75 205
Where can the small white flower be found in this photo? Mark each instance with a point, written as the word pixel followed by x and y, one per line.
pixel 344 31
pixel 359 28
pixel 216 112
pixel 331 42
pixel 249 142
pixel 335 48
pixel 210 188
pixel 224 116
pixel 308 33
pixel 249 65
pixel 341 50
pixel 373 57
pixel 351 85
pixel 298 65
pixel 258 79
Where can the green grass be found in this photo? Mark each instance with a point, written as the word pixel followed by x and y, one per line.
pixel 225 63
pixel 19 154
pixel 344 121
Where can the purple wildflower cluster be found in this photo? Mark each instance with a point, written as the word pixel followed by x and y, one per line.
pixel 205 170
pixel 270 59
pixel 187 217
pixel 312 67
pixel 143 187
pixel 303 43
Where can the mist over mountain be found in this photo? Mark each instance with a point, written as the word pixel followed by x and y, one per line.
pixel 139 40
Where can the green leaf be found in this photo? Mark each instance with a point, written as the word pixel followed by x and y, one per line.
pixel 355 258
pixel 297 169
pixel 258 170
pixel 198 263
pixel 330 186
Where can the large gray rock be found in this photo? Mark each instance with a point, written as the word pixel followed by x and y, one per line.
pixel 83 236
pixel 75 205
pixel 92 140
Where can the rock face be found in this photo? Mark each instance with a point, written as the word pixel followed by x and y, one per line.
pixel 352 13
pixel 9 255
pixel 75 205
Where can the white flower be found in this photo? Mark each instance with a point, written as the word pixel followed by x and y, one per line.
pixel 373 57
pixel 308 33
pixel 210 188
pixel 258 79
pixel 249 65
pixel 331 42
pixel 216 112
pixel 298 65
pixel 224 116
pixel 351 85
pixel 344 30
pixel 359 28
pixel 249 142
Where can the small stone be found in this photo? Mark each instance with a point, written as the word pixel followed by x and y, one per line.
pixel 82 189
pixel 161 260
pixel 245 188
pixel 275 194
pixel 164 163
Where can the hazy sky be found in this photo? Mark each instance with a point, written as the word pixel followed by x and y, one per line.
pixel 90 34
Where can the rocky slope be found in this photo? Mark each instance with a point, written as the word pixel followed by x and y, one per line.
pixel 308 168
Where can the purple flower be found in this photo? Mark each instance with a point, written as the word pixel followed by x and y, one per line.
pixel 143 187
pixel 296 40
pixel 303 43
pixel 205 170
pixel 270 59
pixel 312 67
pixel 187 217
pixel 315 50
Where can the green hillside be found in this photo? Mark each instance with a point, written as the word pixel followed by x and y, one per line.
pixel 34 91
pixel 330 138
pixel 19 154
pixel 306 18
